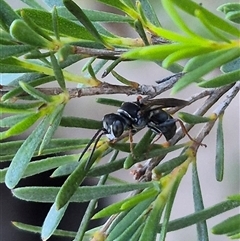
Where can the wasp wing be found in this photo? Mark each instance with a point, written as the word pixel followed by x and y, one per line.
pixel 148 105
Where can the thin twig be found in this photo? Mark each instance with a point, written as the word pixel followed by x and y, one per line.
pixel 213 98
pixel 218 111
pixel 100 53
pixel 106 89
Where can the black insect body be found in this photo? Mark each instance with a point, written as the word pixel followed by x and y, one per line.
pixel 163 123
pixel 128 117
pixel 133 116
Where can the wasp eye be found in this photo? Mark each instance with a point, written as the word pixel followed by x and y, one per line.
pixel 114 125
pixel 117 128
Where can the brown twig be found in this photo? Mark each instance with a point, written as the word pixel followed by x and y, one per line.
pixel 100 53
pixel 106 88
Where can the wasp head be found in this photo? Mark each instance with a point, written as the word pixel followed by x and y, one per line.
pixel 114 125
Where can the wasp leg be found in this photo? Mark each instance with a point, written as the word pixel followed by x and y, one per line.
pixel 186 133
pixel 130 133
pixel 158 137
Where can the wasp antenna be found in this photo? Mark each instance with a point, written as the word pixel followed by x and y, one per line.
pixel 97 137
pixel 89 143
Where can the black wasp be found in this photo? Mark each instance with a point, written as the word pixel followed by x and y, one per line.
pixel 136 115
pixel 133 116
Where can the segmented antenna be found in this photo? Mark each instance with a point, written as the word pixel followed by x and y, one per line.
pixel 96 137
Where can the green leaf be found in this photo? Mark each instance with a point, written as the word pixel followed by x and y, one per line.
pixel 126 204
pixel 37 229
pixel 190 7
pixel 75 179
pixel 140 30
pixel 111 67
pixel 34 78
pixel 106 168
pixel 52 220
pixel 169 165
pixel 7 14
pixel 235 197
pixel 55 119
pixel 130 230
pixel 65 170
pixel 35 93
pixel 12 120
pixel 154 52
pixel 124 80
pixel 6 38
pixel 233 16
pixel 116 4
pixel 23 33
pixel 34 4
pixel 215 32
pixel 43 165
pixel 178 20
pixel 95 16
pixel 96 68
pixel 72 121
pixel 231 11
pixel 203 64
pixel 21 126
pixel 55 23
pixel 193 119
pixel 91 207
pixel 168 208
pixel 150 229
pixel 231 66
pixel 184 53
pixel 126 219
pixel 13 65
pixel 133 201
pixel 154 151
pixel 19 108
pixel 123 147
pixel 28 78
pixel 228 226
pixel 35 27
pixel 108 101
pixel 80 15
pixel 201 60
pixel 68 28
pixel 14 50
pixel 36 54
pixel 58 72
pixel 150 12
pixel 82 194
pixel 225 79
pixel 202 231
pixel 200 216
pixel 8 149
pixel 229 7
pixel 24 154
pixel 219 163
